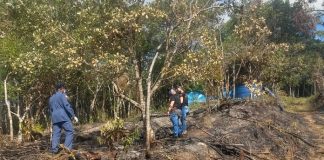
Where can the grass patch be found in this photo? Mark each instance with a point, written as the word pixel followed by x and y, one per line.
pixel 302 104
pixel 196 105
pixel 160 109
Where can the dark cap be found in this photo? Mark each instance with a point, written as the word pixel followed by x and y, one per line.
pixel 177 86
pixel 59 85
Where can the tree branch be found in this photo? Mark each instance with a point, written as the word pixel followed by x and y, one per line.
pixel 164 69
pixel 15 114
pixel 154 60
pixel 136 104
pixel 27 109
pixel 202 10
pixel 18 115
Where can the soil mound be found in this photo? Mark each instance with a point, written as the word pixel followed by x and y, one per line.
pixel 240 130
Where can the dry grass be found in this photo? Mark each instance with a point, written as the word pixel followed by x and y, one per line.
pixel 303 104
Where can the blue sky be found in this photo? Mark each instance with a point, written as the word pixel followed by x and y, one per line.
pixel 320 27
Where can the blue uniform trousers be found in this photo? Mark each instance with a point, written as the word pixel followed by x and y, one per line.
pixel 68 130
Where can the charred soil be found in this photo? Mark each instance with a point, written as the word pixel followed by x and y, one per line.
pixel 232 130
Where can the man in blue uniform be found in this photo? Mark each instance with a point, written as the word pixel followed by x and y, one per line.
pixel 61 114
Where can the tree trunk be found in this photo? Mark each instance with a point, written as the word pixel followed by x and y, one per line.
pixel 93 103
pixel 116 107
pixel 145 108
pixel 77 102
pixel 207 102
pixel 102 114
pixel 250 72
pixel 139 85
pixel 315 91
pixel 148 124
pixel 234 81
pixel 149 132
pixel 95 94
pixel 303 89
pixel 227 85
pixel 21 119
pixel 319 86
pixel 8 107
pixel 20 135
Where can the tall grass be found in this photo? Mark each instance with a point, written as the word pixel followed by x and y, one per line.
pixel 302 104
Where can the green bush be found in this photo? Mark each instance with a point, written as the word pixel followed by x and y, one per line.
pixel 131 138
pixel 111 132
pixel 32 131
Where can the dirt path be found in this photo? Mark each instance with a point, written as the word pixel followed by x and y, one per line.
pixel 315 121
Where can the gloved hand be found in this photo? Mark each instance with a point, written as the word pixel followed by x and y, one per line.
pixel 75 119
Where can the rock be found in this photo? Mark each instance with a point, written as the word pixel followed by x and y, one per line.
pixel 160 122
pixel 134 155
pixel 202 151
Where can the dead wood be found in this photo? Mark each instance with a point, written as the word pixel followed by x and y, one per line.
pixel 229 149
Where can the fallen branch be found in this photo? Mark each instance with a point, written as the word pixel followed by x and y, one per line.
pixel 218 148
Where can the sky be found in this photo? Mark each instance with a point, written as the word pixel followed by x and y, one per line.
pixel 319 5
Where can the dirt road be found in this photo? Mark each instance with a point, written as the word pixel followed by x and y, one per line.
pixel 315 121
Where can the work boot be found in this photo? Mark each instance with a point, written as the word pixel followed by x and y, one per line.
pixel 58 151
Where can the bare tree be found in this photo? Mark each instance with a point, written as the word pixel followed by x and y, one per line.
pixel 21 117
pixel 8 106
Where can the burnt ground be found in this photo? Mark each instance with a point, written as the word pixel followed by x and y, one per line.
pixel 249 130
pixel 233 130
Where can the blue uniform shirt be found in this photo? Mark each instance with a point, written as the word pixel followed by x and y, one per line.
pixel 60 108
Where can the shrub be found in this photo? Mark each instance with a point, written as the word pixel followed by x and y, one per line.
pixel 111 132
pixel 131 138
pixel 32 131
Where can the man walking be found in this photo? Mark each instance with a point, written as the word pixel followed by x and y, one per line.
pixel 174 113
pixel 61 114
pixel 184 108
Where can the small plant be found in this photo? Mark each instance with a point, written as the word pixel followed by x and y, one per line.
pixel 32 131
pixel 131 138
pixel 111 132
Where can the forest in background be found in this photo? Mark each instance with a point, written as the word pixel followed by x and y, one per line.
pixel 119 58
